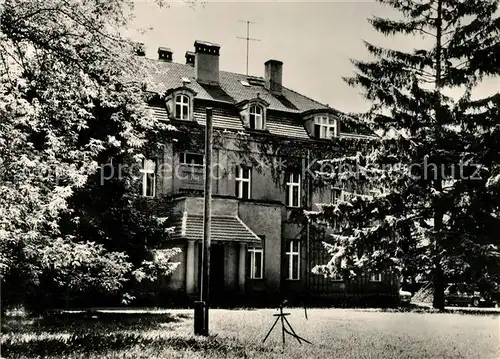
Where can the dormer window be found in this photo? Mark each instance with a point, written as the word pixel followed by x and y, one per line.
pixel 180 102
pixel 182 107
pixel 253 113
pixel 324 127
pixel 256 117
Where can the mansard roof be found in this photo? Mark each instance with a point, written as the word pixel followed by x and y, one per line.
pixel 164 76
pixel 224 118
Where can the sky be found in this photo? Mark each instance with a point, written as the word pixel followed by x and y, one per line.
pixel 314 40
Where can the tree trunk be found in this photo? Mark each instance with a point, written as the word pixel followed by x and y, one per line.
pixel 438 275
pixel 438 284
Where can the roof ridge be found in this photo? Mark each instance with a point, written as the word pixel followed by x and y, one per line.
pixel 181 63
pixel 309 98
pixel 320 103
pixel 289 101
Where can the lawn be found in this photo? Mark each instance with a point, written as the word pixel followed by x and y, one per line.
pixel 335 333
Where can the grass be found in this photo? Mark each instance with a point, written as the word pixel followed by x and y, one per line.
pixel 335 333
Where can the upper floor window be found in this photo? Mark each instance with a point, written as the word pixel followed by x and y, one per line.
pixel 324 127
pixel 192 159
pixel 293 258
pixel 148 178
pixel 243 178
pixel 293 190
pixel 182 107
pixel 256 117
pixel 337 195
pixel 256 262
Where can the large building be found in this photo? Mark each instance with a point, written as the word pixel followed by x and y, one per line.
pixel 259 252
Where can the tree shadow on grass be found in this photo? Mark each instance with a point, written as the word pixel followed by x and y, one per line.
pixel 97 343
pixel 85 321
pixel 101 343
pixel 98 333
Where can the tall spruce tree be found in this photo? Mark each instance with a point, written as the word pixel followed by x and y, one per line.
pixel 437 158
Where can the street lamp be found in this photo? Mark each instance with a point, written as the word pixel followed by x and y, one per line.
pixel 201 307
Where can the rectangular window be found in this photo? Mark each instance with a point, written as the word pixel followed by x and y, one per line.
pixel 192 159
pixel 256 117
pixel 293 190
pixel 293 260
pixel 337 195
pixel 182 107
pixel 256 262
pixel 324 127
pixel 148 178
pixel 242 184
pixel 376 277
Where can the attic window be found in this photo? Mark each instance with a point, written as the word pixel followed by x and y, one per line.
pixel 256 117
pixel 179 103
pixel 324 127
pixel 245 83
pixel 182 107
pixel 186 80
pixel 259 81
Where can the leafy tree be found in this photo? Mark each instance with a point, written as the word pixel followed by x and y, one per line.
pixel 109 210
pixel 69 100
pixel 437 157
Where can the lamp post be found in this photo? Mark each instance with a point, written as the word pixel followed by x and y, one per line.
pixel 201 307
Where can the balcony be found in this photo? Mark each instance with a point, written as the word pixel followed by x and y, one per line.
pixel 190 177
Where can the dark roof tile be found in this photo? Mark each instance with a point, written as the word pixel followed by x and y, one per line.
pixel 280 126
pixel 229 120
pixel 223 228
pixel 220 119
pixel 163 76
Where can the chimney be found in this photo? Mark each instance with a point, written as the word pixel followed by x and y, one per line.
pixel 274 76
pixel 140 49
pixel 207 62
pixel 190 58
pixel 165 54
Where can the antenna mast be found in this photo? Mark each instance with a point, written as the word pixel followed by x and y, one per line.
pixel 248 38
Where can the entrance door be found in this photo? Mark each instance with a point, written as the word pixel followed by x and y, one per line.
pixel 216 273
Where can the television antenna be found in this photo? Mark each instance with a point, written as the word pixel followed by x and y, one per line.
pixel 247 38
pixel 281 316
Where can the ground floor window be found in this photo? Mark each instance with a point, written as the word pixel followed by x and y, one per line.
pixel 148 178
pixel 376 277
pixel 292 267
pixel 256 262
